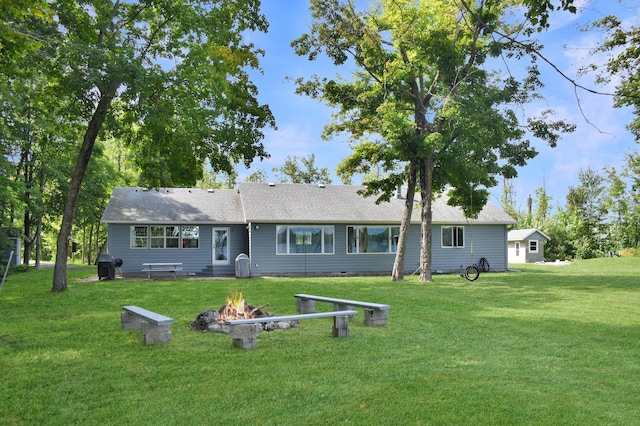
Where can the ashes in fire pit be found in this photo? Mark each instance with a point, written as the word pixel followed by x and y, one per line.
pixel 236 308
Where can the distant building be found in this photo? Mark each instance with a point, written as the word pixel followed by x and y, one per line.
pixel 526 245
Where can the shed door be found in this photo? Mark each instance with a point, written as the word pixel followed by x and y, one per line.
pixel 220 246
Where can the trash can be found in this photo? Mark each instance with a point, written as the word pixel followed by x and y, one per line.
pixel 106 266
pixel 242 266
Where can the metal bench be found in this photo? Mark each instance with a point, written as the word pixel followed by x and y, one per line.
pixel 155 327
pixel 244 332
pixel 374 313
pixel 162 267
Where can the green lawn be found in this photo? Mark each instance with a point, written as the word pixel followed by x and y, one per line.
pixel 548 345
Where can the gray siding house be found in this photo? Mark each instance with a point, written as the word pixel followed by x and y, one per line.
pixel 526 245
pixel 291 229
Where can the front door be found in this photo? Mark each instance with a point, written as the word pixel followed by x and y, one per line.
pixel 220 246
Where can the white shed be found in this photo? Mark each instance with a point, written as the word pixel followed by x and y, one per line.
pixel 526 245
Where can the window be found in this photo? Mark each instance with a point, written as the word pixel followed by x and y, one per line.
pixel 517 248
pixel 138 237
pixel 159 237
pixel 190 237
pixel 533 246
pixel 165 237
pixel 372 239
pixel 453 236
pixel 295 239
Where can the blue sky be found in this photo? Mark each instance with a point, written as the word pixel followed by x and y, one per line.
pixel 600 140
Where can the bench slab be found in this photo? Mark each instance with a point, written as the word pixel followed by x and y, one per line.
pixel 375 313
pixel 244 332
pixel 155 327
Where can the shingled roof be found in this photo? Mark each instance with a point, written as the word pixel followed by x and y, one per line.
pixel 173 205
pixel 275 203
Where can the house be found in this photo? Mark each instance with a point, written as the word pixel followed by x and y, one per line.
pixel 526 245
pixel 291 229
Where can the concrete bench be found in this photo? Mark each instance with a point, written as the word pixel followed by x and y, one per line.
pixel 155 327
pixel 374 313
pixel 244 332
pixel 162 267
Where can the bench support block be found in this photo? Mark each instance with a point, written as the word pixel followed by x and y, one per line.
pixel 306 306
pixel 244 336
pixel 130 321
pixel 341 326
pixel 374 317
pixel 152 334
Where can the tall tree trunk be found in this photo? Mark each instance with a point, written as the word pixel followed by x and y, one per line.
pixel 40 217
pixel 398 265
pixel 426 185
pixel 89 140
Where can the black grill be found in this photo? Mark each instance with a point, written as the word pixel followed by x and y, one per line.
pixel 106 266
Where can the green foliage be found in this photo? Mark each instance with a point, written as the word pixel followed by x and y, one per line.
pixel 422 99
pixel 302 170
pixel 622 43
pixel 16 35
pixel 549 345
pixel 538 11
pixel 600 217
pixel 169 79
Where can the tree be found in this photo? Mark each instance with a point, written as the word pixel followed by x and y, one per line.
pixel 587 209
pixel 624 46
pixel 171 76
pixel 16 34
pixel 421 97
pixel 302 170
pixel 632 173
pixel 259 176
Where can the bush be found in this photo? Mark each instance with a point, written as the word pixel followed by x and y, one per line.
pixel 16 269
pixel 630 252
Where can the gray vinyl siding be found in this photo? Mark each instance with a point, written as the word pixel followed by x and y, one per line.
pixel 193 260
pixel 488 241
pixel 265 261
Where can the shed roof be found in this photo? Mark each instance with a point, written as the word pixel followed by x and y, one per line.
pixel 524 234
pixel 275 203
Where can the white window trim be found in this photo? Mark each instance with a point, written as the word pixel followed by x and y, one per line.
pixel 164 237
pixel 132 237
pixel 393 243
pixel 453 246
pixel 323 251
pixel 215 261
pixel 537 246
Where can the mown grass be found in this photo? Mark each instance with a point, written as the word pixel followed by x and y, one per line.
pixel 547 345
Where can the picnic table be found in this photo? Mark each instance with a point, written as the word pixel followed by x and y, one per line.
pixel 162 267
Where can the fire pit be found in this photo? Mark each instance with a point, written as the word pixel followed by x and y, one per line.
pixel 236 308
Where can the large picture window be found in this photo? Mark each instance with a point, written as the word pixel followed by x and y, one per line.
pixel 139 237
pixel 294 239
pixel 372 239
pixel 165 237
pixel 453 236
